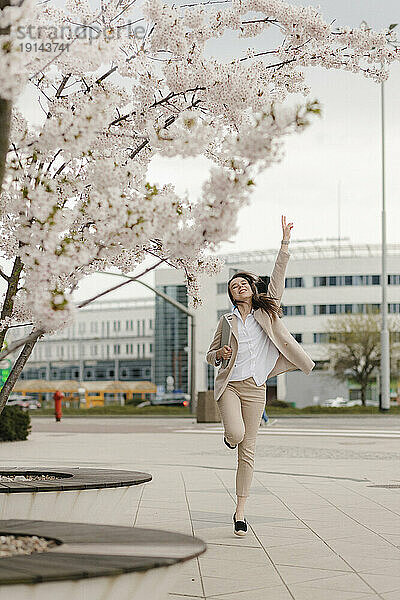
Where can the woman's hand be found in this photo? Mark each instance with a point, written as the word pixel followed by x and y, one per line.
pixel 225 352
pixel 286 229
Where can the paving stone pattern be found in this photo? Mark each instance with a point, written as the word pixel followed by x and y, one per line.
pixel 320 529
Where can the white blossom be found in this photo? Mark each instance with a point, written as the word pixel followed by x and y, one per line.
pixel 77 196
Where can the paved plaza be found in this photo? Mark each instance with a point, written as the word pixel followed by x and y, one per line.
pixel 324 511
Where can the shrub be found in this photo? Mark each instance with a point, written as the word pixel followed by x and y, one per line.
pixel 15 424
pixel 278 403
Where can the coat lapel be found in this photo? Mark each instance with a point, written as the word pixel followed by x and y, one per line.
pixel 263 319
pixel 232 320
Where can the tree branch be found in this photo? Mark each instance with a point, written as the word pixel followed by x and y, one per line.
pixel 16 371
pixel 119 285
pixel 32 337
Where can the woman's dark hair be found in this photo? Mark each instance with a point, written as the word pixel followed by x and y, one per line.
pixel 270 304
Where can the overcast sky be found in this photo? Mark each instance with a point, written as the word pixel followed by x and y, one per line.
pixel 337 159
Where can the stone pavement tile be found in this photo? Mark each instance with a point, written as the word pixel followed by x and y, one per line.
pixel 366 564
pixel 187 584
pixel 344 582
pixel 280 536
pixel 350 548
pixel 386 528
pixel 225 535
pixel 273 593
pixel 386 567
pixel 156 514
pixel 215 586
pixel 392 538
pixel 199 525
pixel 389 595
pixel 254 556
pixel 320 514
pixel 183 597
pixel 307 593
pixel 289 524
pixel 177 503
pixel 166 525
pixel 210 516
pixel 311 550
pixel 335 531
pixel 331 563
pixel 237 568
pixel 292 574
pixel 384 583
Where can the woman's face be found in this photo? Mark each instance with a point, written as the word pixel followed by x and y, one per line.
pixel 240 289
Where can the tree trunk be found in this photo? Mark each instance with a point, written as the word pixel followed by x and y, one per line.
pixel 12 288
pixel 15 373
pixel 5 113
pixel 363 394
pixel 5 119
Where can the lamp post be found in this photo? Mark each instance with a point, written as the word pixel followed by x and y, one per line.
pixel 384 397
pixel 384 404
pixel 185 310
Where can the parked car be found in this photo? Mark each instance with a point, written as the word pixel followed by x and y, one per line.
pixel 335 402
pixel 25 402
pixel 168 399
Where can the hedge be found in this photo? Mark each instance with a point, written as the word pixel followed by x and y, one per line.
pixel 15 424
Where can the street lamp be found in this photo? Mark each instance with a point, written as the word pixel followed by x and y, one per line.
pixel 384 404
pixel 384 397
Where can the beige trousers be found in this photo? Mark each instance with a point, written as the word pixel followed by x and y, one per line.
pixel 241 407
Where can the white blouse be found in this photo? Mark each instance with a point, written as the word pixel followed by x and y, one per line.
pixel 257 354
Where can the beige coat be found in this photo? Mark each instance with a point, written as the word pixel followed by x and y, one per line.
pixel 291 354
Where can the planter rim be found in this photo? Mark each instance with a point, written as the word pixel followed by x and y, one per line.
pixel 87 550
pixel 70 479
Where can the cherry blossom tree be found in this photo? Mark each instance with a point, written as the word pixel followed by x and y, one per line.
pixel 124 83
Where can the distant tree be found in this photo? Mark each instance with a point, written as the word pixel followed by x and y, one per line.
pixel 354 347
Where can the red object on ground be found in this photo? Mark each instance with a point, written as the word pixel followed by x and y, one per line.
pixel 58 397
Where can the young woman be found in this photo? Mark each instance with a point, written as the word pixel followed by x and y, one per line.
pixel 260 347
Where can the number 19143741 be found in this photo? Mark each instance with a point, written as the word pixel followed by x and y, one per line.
pixel 43 47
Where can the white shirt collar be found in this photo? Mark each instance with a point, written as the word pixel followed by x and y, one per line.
pixel 237 312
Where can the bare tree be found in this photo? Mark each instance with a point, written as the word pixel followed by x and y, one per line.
pixel 354 347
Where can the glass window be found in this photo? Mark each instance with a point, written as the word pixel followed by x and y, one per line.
pixel 376 279
pixel 348 280
pixel 348 308
pixel 222 287
pixel 332 309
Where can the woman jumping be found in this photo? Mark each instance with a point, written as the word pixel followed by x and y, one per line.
pixel 261 347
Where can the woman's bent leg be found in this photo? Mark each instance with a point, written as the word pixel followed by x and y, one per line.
pixel 252 405
pixel 231 415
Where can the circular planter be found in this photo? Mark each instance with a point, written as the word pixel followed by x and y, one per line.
pixel 78 495
pixel 95 561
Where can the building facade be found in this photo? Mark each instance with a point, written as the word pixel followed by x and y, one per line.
pixel 148 339
pixel 109 340
pixel 321 281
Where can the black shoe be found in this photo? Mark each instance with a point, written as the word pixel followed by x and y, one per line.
pixel 240 526
pixel 229 446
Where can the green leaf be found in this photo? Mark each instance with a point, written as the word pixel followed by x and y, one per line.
pixel 392 26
